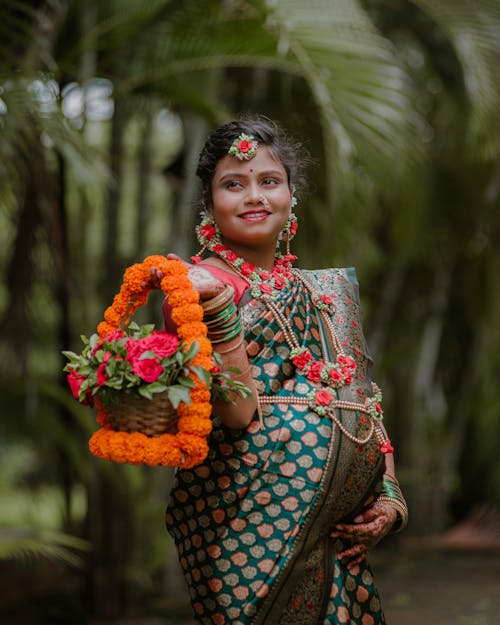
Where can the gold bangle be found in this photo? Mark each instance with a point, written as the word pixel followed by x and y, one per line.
pixel 219 302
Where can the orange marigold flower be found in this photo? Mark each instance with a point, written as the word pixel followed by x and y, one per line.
pixel 187 313
pixel 181 297
pixel 195 425
pixel 171 283
pixel 192 330
pixel 105 328
pixel 201 410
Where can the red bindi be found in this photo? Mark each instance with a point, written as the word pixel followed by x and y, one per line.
pixel 251 170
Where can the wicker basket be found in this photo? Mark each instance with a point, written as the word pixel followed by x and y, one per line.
pixel 152 417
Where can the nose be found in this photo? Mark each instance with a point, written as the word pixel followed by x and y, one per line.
pixel 255 195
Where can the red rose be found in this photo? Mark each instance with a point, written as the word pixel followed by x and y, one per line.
pixel 208 231
pixel 386 447
pixel 347 375
pixel 301 360
pixel 325 299
pixel 279 283
pixel 75 380
pixel 348 362
pixel 265 288
pixel 231 256
pixel 264 275
pixel 101 376
pixel 215 369
pixel 378 408
pixel 247 268
pixel 219 248
pixel 244 145
pixel 149 369
pixel 294 226
pixel 289 258
pixel 335 375
pixel 314 372
pixel 323 398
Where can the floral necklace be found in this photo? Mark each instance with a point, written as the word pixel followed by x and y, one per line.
pixel 263 283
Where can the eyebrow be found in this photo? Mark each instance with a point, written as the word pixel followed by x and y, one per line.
pixel 271 172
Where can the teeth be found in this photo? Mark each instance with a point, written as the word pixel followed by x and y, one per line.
pixel 255 215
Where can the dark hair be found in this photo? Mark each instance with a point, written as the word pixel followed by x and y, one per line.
pixel 292 156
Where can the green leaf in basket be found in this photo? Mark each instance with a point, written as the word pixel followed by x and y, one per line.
pixel 185 381
pixel 146 329
pixel 92 342
pixel 178 393
pixel 157 387
pixel 192 350
pixel 145 392
pixel 202 373
pixel 148 354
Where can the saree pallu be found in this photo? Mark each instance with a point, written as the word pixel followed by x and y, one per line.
pixel 252 524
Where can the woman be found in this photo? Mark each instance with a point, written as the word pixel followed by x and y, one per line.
pixel 299 483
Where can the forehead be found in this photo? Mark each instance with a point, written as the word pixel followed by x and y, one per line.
pixel 264 160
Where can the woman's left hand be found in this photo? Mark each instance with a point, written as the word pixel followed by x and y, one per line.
pixel 365 532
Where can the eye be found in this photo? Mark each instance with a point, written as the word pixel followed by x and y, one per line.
pixel 270 181
pixel 232 184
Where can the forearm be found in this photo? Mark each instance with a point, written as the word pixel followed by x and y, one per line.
pixel 226 334
pixel 238 412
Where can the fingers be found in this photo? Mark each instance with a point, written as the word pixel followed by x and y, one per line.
pixel 356 554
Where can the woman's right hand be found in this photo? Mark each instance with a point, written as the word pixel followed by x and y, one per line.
pixel 203 281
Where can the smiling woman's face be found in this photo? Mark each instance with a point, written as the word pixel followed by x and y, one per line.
pixel 250 200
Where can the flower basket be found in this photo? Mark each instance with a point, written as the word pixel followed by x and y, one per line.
pixel 151 417
pixel 152 390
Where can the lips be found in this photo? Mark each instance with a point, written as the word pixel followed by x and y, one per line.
pixel 257 215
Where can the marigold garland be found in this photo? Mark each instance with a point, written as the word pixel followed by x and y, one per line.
pixel 189 446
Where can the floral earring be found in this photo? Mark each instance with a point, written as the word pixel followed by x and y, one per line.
pixel 207 233
pixel 290 228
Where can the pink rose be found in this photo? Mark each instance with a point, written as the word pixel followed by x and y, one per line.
pixel 314 372
pixel 149 369
pixel 247 268
pixel 323 398
pixel 196 259
pixel 162 344
pixel 294 226
pixel 326 299
pixel 302 360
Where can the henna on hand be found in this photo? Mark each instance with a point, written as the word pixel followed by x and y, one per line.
pixel 366 530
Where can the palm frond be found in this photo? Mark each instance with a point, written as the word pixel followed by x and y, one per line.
pixel 364 96
pixel 34 542
pixel 473 29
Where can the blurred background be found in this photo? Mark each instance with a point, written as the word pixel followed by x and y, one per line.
pixel 104 106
